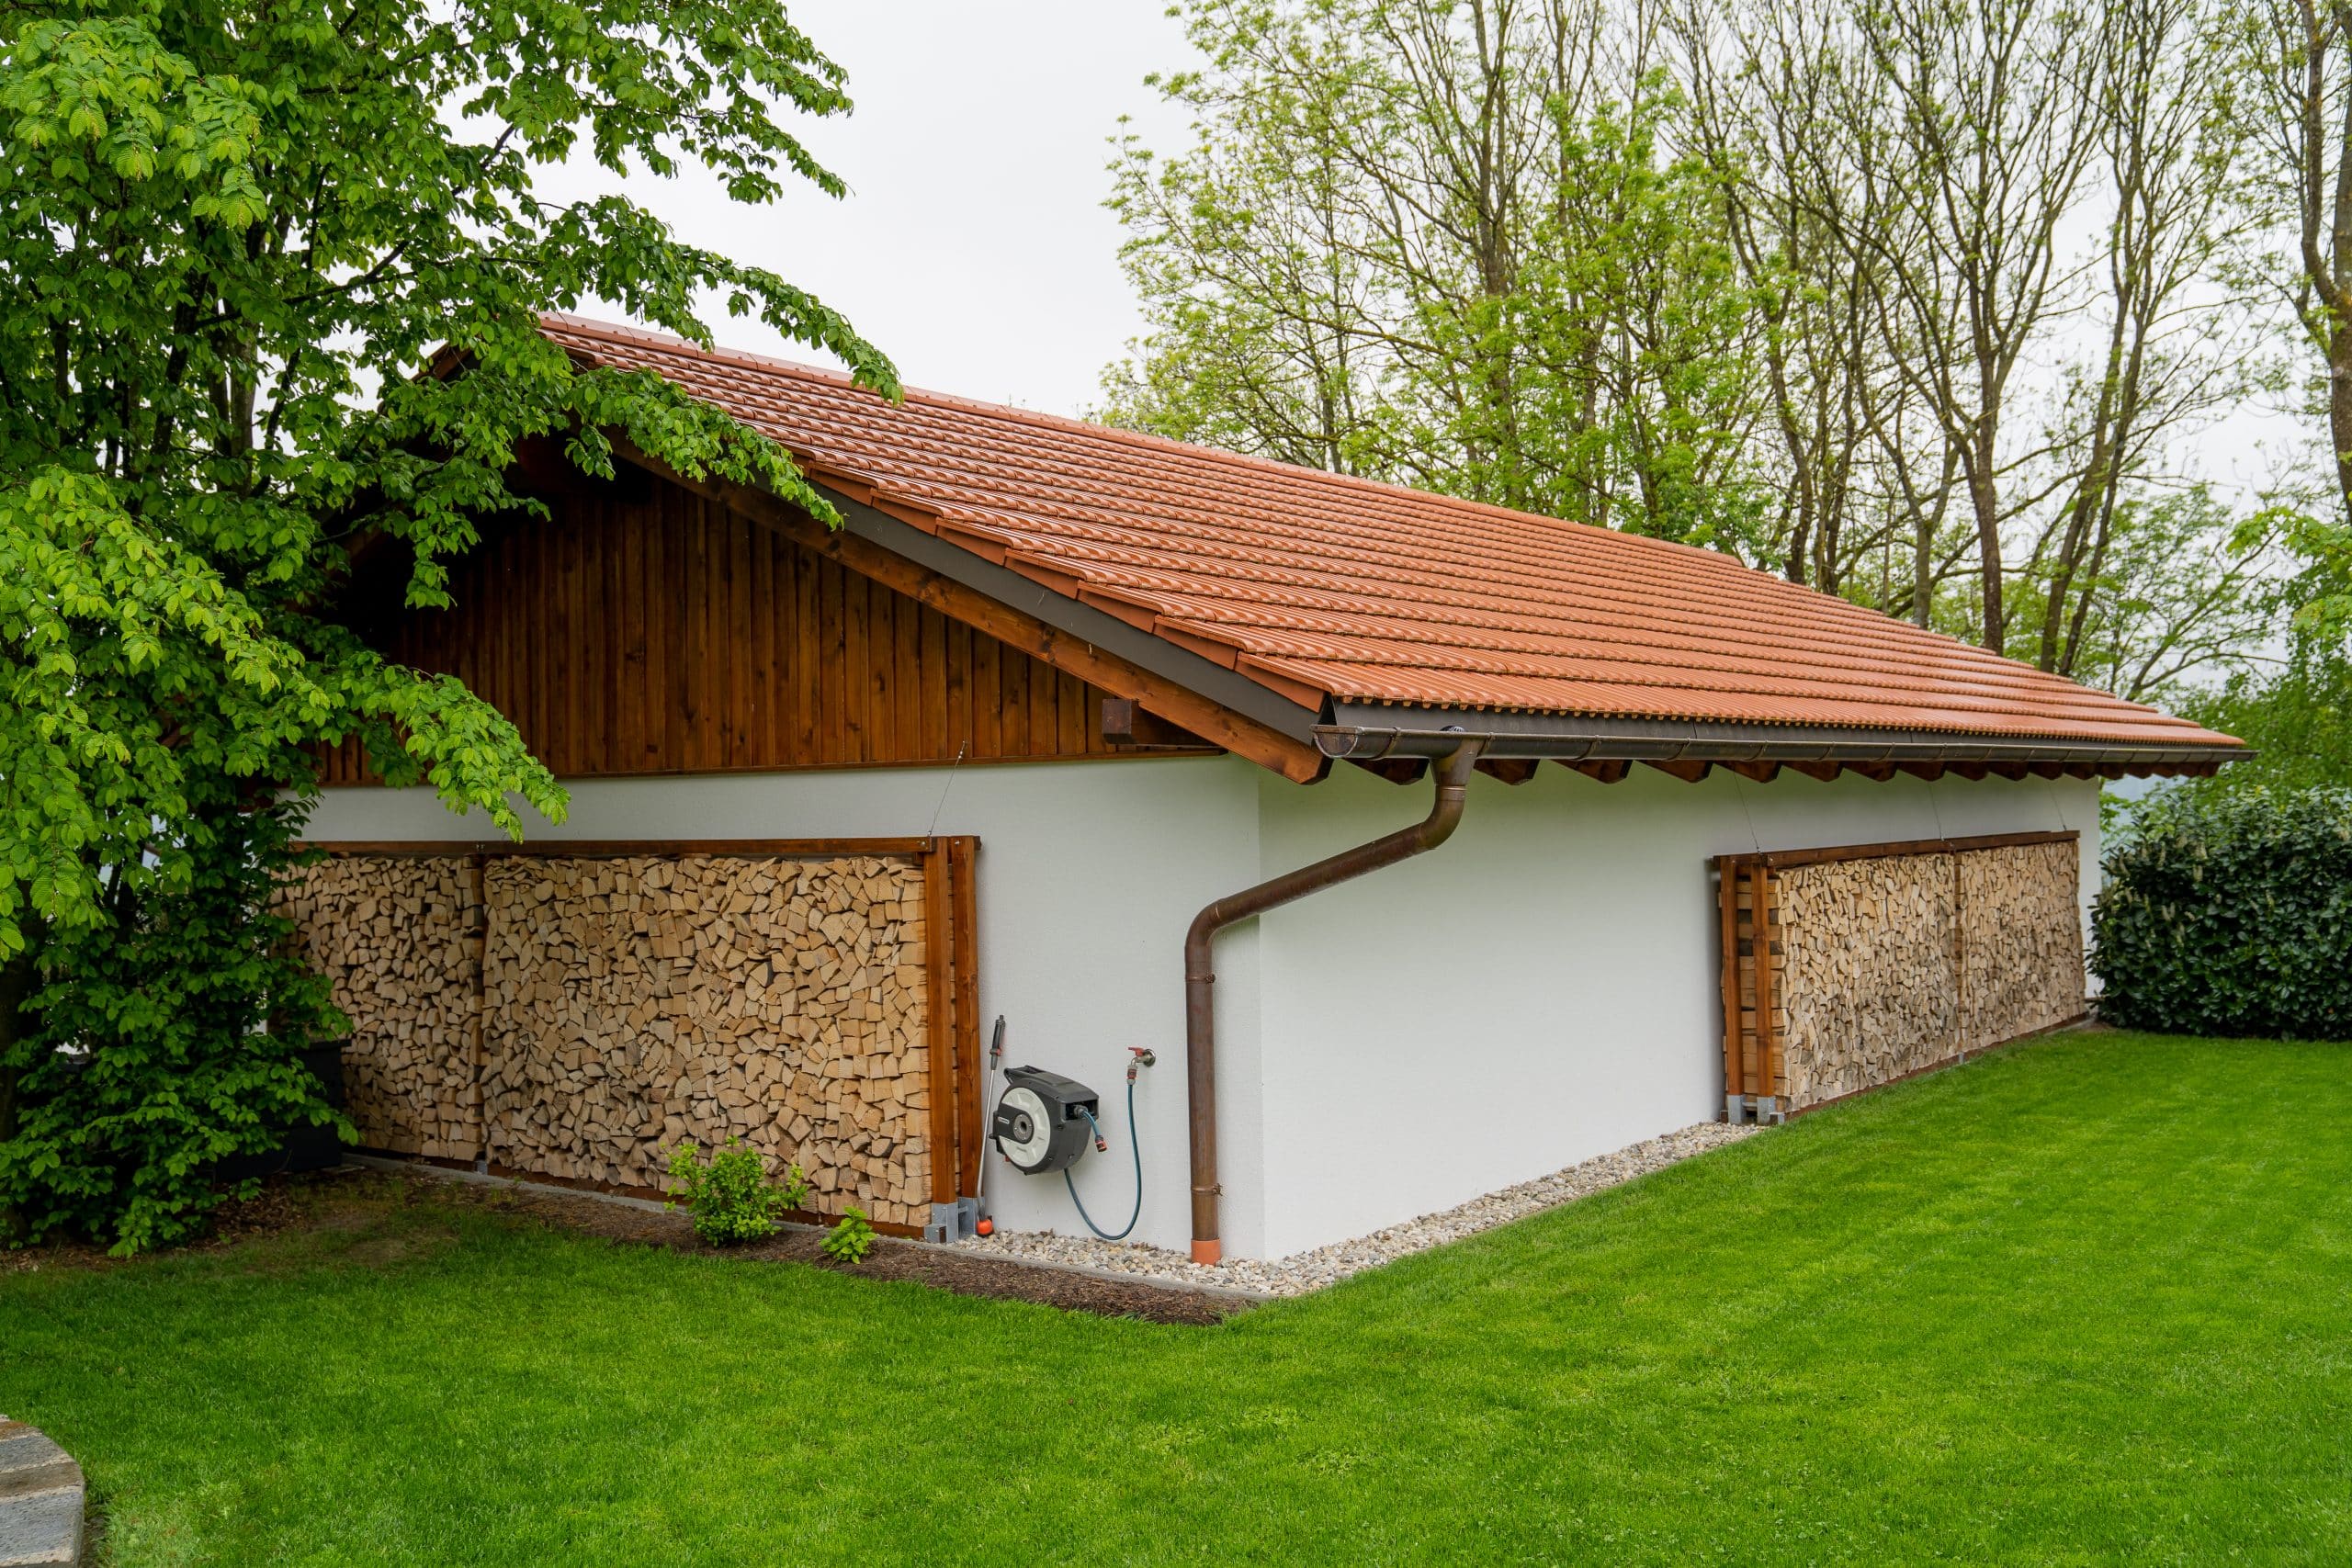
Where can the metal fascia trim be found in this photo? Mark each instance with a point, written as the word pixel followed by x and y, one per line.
pixel 1369 732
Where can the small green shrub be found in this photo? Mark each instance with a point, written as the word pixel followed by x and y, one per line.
pixel 851 1239
pixel 731 1197
pixel 2230 914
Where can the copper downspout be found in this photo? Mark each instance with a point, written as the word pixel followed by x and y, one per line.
pixel 1200 973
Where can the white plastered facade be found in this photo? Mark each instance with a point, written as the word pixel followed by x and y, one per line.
pixel 1541 990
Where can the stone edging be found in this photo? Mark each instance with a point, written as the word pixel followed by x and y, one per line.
pixel 41 1496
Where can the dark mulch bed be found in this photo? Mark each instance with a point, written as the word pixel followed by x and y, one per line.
pixel 889 1259
pixel 283 1204
pixel 341 1196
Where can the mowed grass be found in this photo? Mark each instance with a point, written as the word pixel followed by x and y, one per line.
pixel 2090 1300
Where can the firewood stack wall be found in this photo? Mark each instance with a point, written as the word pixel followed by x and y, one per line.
pixel 1883 964
pixel 578 1018
pixel 402 941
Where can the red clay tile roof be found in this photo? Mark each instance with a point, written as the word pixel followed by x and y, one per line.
pixel 1314 584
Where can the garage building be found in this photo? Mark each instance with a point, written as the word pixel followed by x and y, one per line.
pixel 1575 838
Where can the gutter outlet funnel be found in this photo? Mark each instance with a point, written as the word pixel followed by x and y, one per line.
pixel 1200 970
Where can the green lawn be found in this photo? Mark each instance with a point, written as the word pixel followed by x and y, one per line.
pixel 2089 1300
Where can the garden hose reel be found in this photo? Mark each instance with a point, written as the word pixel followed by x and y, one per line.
pixel 1042 1119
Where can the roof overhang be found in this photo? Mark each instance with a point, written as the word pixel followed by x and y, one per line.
pixel 1368 732
pixel 1372 733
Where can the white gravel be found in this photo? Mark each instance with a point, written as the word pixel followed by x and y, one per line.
pixel 1304 1271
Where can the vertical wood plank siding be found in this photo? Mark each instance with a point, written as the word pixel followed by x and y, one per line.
pixel 641 628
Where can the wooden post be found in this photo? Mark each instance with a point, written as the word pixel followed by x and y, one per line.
pixel 1752 982
pixel 1770 1047
pixel 939 1004
pixel 1959 964
pixel 964 956
pixel 1727 897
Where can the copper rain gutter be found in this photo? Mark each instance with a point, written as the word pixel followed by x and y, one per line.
pixel 1200 970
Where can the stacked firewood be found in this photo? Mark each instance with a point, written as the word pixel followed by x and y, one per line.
pixel 1896 962
pixel 629 1004
pixel 401 941
pixel 1866 972
pixel 2020 942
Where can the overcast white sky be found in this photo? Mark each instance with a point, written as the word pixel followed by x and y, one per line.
pixel 973 247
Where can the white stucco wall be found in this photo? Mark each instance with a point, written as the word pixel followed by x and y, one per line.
pixel 1541 990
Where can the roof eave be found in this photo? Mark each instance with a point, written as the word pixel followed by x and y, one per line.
pixel 1368 732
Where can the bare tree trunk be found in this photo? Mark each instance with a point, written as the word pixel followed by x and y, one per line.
pixel 2339 402
pixel 1984 499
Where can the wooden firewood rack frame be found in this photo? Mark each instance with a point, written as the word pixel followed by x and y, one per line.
pixel 1754 1045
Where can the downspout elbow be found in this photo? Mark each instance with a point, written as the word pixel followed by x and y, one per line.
pixel 1200 970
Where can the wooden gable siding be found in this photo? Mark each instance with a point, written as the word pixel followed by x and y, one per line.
pixel 641 628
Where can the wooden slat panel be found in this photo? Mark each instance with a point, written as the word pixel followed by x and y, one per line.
pixel 857 704
pixel 653 686
pixel 644 627
pixel 988 696
pixel 803 651
pixel 1727 901
pixel 755 581
pixel 956 670
pixel 906 681
pixel 931 686
pixel 1072 713
pixel 1014 704
pixel 701 672
pixel 1767 1038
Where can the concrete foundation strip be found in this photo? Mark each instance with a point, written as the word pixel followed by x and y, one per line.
pixel 41 1499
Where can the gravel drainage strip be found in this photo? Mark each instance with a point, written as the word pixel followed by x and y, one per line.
pixel 1304 1271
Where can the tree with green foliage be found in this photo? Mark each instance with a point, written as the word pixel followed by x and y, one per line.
pixel 2297 715
pixel 2298 720
pixel 1428 244
pixel 270 281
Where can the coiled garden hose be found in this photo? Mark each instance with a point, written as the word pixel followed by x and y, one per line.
pixel 1135 1145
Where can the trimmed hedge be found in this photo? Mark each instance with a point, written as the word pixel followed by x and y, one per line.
pixel 2230 914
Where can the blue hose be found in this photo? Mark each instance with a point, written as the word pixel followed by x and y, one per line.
pixel 1136 1144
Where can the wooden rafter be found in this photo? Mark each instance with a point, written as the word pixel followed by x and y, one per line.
pixel 1395 770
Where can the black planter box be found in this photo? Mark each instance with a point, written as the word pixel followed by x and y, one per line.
pixel 305 1148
